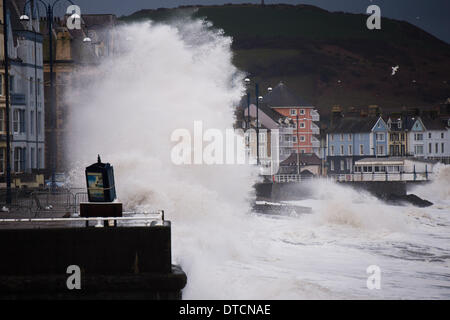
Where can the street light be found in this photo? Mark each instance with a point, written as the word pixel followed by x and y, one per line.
pixel 247 85
pixel 258 99
pixel 50 6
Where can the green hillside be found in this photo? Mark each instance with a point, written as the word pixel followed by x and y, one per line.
pixel 329 58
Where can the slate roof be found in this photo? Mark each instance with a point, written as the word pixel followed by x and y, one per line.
pixel 352 125
pixel 303 158
pixel 407 124
pixel 281 96
pixel 263 107
pixel 434 124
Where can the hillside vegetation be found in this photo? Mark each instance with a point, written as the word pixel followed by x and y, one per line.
pixel 329 58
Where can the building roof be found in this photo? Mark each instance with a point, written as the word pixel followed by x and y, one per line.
pixel 434 124
pixel 352 125
pixel 263 107
pixel 282 97
pixel 303 159
pixel 407 123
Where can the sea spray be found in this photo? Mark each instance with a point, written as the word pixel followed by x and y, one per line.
pixel 165 77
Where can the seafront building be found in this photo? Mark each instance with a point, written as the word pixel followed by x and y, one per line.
pixel 304 115
pixel 351 139
pixel 26 86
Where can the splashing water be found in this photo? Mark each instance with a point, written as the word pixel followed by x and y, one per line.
pixel 166 78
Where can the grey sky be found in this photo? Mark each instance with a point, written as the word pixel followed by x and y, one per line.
pixel 430 15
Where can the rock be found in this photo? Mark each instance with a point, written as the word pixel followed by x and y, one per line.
pixel 410 198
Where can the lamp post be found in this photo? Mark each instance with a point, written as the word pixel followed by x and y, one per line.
pixel 258 99
pixel 50 6
pixel 8 137
pixel 247 84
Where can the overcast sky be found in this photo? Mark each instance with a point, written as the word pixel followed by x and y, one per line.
pixel 430 15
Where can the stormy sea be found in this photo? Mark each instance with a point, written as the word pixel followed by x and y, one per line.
pixel 170 75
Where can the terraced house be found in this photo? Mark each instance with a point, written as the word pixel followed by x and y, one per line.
pixel 352 139
pixel 430 139
pixel 26 86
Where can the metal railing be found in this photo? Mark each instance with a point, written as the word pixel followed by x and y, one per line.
pixel 383 176
pixel 283 178
pixel 147 218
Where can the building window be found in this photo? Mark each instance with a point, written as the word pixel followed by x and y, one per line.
pixel 2 120
pixel 332 150
pixel 2 160
pixel 350 150
pixel 19 159
pixel 361 149
pixel 11 84
pixel 39 123
pixel 262 137
pixel 418 149
pixel 332 165
pixel 302 125
pixel 39 158
pixel 442 135
pixel 19 121
pixel 1 84
pixel 31 85
pixel 332 137
pixel 39 87
pixel 302 138
pixel 349 137
pixel 342 150
pixel 32 156
pixel 342 165
pixel 342 137
pixel 380 137
pixel 418 136
pixel 302 150
pixel 293 112
pixel 16 121
pixel 302 111
pixel 430 148
pixel 380 150
pixel 442 147
pixel 294 139
pixel 31 122
pixel 262 151
pixel 436 147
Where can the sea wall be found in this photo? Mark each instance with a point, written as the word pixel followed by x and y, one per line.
pixel 117 262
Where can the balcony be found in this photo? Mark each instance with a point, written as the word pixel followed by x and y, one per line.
pixel 315 129
pixel 286 131
pixel 315 142
pixel 315 116
pixel 286 144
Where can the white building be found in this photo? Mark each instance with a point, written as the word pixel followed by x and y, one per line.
pixel 430 139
